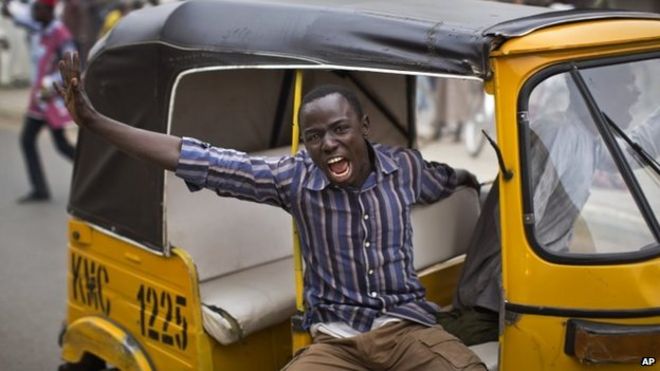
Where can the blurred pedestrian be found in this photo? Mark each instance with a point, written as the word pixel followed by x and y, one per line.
pixel 114 16
pixel 51 40
pixel 4 58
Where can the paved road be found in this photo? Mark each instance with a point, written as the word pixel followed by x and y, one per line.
pixel 32 258
pixel 33 248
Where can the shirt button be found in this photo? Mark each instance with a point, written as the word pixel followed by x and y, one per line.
pixel 367 244
pixel 373 294
pixel 371 272
pixel 366 216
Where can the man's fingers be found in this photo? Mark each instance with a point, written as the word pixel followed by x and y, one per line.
pixel 61 65
pixel 67 65
pixel 75 65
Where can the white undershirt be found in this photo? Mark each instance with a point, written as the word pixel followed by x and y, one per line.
pixel 342 330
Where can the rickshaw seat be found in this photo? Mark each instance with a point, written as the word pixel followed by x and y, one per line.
pixel 488 353
pixel 246 272
pixel 253 299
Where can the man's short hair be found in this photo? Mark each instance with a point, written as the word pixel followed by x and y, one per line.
pixel 325 90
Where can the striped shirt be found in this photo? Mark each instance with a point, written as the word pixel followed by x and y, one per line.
pixel 356 243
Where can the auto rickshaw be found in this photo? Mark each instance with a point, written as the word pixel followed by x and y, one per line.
pixel 161 279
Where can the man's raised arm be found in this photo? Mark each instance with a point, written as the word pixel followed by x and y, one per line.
pixel 161 149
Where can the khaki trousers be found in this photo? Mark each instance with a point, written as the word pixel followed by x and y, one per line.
pixel 396 346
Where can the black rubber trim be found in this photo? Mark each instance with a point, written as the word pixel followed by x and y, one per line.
pixel 581 313
pixel 646 253
pixel 282 101
pixel 411 110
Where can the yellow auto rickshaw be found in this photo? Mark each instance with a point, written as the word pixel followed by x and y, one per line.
pixel 161 279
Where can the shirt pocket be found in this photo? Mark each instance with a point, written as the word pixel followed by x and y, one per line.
pixel 450 348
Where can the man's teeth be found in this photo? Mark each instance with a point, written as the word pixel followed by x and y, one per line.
pixel 334 160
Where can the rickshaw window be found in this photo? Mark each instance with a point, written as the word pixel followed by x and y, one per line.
pixel 579 208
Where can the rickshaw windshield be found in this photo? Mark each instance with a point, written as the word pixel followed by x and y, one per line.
pixel 592 194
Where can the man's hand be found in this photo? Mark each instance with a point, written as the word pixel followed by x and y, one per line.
pixel 466 178
pixel 159 148
pixel 75 98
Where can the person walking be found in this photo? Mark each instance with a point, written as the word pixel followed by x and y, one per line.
pixel 51 40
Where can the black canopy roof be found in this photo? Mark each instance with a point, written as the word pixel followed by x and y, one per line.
pixel 441 36
pixel 131 73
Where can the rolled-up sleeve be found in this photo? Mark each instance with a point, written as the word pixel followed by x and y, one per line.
pixel 236 174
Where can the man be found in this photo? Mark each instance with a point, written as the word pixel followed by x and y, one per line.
pixel 50 41
pixel 5 78
pixel 351 202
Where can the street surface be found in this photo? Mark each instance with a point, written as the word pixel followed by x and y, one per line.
pixel 33 241
pixel 32 257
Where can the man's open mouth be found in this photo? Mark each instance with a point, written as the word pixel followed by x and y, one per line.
pixel 339 169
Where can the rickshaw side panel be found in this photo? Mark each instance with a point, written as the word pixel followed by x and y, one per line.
pixel 511 72
pixel 536 342
pixel 268 349
pixel 441 281
pixel 153 298
pixel 573 39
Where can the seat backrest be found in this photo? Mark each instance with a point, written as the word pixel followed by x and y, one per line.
pixel 442 230
pixel 225 235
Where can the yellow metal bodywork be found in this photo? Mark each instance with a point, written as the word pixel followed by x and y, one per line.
pixel 106 340
pixel 535 342
pixel 269 349
pixel 121 271
pixel 440 280
pixel 300 339
pixel 154 298
pixel 295 137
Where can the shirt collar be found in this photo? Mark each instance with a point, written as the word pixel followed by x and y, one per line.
pixel 384 163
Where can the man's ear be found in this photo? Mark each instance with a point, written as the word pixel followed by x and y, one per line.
pixel 365 125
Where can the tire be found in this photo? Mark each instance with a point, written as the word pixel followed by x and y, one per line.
pixel 89 362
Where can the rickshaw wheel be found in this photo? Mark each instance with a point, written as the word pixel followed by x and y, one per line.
pixel 89 362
